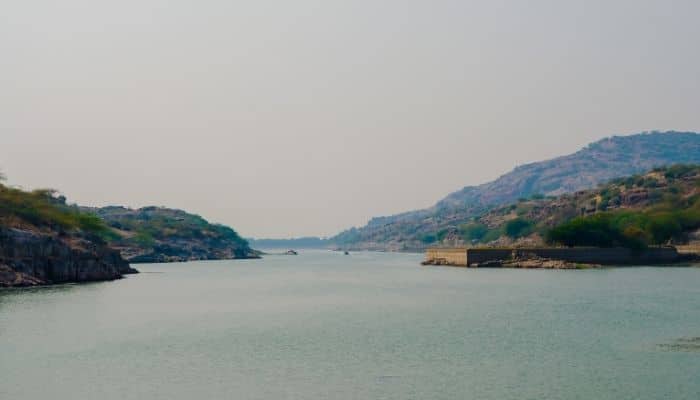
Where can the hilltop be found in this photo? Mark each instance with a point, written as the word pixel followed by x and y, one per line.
pixel 597 163
pixel 159 234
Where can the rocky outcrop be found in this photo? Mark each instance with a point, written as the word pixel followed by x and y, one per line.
pixel 9 277
pixel 31 257
pixel 160 234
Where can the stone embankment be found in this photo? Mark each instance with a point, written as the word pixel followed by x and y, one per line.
pixel 29 258
pixel 554 258
pixel 182 250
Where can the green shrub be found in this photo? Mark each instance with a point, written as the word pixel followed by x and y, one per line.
pixel 518 227
pixel 442 233
pixel 633 229
pixel 144 239
pixel 597 230
pixel 681 170
pixel 491 235
pixel 473 231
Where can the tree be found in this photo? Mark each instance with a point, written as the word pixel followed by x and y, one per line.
pixel 518 227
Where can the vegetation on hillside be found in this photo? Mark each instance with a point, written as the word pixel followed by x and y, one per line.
pixel 159 233
pixel 656 208
pixel 44 208
pixel 150 224
pixel 674 212
pixel 164 234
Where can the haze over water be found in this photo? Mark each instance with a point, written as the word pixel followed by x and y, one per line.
pixel 366 326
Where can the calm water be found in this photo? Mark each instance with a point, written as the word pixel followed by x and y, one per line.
pixel 367 326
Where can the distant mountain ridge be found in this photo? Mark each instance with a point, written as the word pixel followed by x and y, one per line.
pixel 309 242
pixel 597 163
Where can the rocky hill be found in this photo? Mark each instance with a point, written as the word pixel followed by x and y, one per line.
pixel 158 234
pixel 595 164
pixel 44 241
pixel 656 208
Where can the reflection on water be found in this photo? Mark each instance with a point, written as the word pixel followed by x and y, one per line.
pixel 43 293
pixel 34 293
pixel 683 344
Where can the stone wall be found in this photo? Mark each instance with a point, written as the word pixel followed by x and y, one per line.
pixel 479 256
pixel 603 256
pixel 453 256
pixel 584 255
pixel 691 248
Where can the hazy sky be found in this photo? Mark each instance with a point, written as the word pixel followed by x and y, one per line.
pixel 289 118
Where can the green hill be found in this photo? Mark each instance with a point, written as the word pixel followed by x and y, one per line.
pixel 159 234
pixel 656 208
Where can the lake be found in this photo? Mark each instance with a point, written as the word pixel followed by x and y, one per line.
pixel 322 325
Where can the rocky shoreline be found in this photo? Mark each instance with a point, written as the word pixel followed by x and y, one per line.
pixel 32 258
pixel 525 263
pixel 162 257
pixel 537 263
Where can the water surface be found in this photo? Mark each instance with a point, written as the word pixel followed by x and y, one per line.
pixel 322 325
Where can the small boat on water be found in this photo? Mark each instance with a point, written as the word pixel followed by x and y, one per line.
pixel 347 253
pixel 291 252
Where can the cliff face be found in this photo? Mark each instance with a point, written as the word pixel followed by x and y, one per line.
pixel 29 257
pixel 43 241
